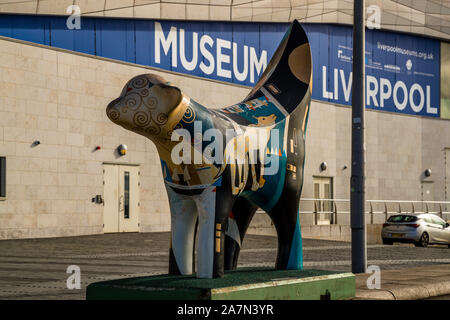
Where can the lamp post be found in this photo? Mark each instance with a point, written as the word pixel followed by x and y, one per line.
pixel 357 189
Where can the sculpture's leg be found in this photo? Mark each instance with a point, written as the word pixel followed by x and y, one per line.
pixel 183 221
pixel 206 205
pixel 286 220
pixel 238 222
pixel 214 206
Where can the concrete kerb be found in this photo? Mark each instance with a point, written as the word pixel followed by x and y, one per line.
pixel 405 292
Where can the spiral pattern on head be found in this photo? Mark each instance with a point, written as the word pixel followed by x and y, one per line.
pixel 153 130
pixel 141 119
pixel 151 102
pixel 133 102
pixel 144 92
pixel 139 82
pixel 161 118
pixel 189 115
pixel 113 114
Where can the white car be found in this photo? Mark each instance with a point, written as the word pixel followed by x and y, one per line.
pixel 421 229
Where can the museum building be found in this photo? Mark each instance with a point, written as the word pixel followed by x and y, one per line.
pixel 67 170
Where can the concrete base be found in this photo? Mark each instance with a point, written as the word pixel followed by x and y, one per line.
pixel 243 284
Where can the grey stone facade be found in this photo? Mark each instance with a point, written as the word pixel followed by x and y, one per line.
pixel 424 17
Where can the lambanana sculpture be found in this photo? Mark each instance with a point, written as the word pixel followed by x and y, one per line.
pixel 220 166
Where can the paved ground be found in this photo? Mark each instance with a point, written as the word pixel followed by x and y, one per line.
pixel 428 282
pixel 36 268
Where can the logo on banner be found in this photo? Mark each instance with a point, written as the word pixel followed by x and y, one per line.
pixel 409 65
pixel 402 72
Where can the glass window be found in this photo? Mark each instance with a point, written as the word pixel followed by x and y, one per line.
pixel 127 195
pixel 445 80
pixel 2 176
pixel 439 221
pixel 327 204
pixel 402 218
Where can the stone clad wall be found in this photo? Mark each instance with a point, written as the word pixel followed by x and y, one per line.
pixel 425 17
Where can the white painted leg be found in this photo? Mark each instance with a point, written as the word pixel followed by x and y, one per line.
pixel 183 218
pixel 206 205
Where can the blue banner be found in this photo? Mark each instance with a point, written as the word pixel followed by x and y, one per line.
pixel 403 71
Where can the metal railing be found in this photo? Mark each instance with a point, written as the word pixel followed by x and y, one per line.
pixel 385 208
pixel 337 211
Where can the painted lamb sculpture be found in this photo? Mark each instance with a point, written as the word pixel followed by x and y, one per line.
pixel 220 166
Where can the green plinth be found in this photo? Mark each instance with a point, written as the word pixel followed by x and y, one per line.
pixel 242 284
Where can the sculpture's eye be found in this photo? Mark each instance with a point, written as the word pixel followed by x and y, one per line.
pixel 125 90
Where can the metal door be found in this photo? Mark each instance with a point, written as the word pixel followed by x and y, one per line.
pixel 121 198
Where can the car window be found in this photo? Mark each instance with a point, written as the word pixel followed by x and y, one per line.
pixel 428 219
pixel 439 221
pixel 402 218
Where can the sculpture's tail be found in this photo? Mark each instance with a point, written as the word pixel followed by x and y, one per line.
pixel 285 84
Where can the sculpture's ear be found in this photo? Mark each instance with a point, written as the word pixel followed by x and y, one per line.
pixel 288 76
pixel 168 96
pixel 300 63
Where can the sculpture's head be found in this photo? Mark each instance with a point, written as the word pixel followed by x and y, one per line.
pixel 145 104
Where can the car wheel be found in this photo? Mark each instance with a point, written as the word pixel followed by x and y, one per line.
pixel 388 242
pixel 424 240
